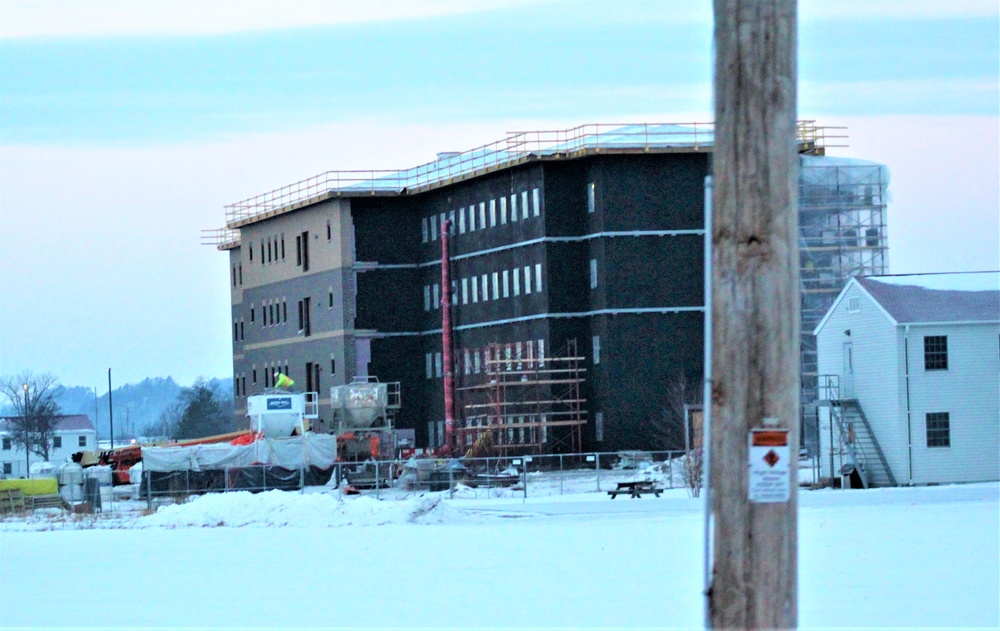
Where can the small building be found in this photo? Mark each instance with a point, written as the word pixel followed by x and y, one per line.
pixel 74 433
pixel 910 379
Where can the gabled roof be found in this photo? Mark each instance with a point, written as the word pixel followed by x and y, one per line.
pixel 67 423
pixel 928 298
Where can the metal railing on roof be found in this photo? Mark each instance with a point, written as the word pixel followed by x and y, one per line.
pixel 517 147
pixel 221 238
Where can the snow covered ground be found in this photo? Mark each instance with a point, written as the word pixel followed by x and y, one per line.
pixel 878 558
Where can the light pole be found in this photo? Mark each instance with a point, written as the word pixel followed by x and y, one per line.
pixel 97 421
pixel 27 449
pixel 111 413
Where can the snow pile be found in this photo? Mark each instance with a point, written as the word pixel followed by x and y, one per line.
pixel 279 508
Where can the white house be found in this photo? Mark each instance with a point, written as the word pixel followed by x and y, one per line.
pixel 74 433
pixel 910 366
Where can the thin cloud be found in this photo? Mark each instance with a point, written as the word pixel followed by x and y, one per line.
pixel 94 18
pixel 820 10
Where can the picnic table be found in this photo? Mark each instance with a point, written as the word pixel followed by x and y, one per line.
pixel 635 489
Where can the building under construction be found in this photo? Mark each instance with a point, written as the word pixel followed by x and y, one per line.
pixel 573 282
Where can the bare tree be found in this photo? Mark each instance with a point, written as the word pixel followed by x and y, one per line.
pixel 169 419
pixel 37 412
pixel 667 431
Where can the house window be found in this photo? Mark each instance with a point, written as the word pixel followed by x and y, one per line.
pixel 472 218
pixel 436 304
pixel 475 290
pixel 8 468
pixel 597 349
pixel 451 224
pixel 541 353
pixel 591 200
pixel 527 279
pixel 938 429
pixel 330 298
pixel 454 292
pixel 282 255
pixel 854 304
pixel 437 364
pixel 593 273
pixel 427 297
pixel 506 284
pixel 284 310
pixel 538 276
pixel 513 207
pixel 240 266
pixel 935 352
pixel 535 205
pixel 429 364
pixel 434 228
pixel 503 210
pixel 517 281
pixel 424 230
pixel 465 291
pixel 82 441
pixel 251 251
pixel 486 289
pixel 493 213
pixel 305 251
pixel 56 442
pixel 496 285
pixel 461 223
pixel 333 366
pixel 253 316
pixel 871 237
pixel 482 215
pixel 599 426
pixel 524 204
pixel 304 326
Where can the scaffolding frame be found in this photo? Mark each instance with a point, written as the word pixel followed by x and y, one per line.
pixel 842 234
pixel 521 401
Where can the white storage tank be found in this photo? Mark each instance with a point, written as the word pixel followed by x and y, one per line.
pixel 71 482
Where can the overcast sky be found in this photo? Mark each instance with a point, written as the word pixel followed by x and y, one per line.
pixel 126 126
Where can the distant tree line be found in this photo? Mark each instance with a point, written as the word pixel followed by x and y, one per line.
pixel 199 411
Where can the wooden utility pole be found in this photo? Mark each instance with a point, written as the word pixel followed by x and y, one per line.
pixel 755 312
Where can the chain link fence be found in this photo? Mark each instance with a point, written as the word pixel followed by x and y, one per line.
pixel 472 478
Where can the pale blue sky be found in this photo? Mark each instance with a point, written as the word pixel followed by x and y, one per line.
pixel 125 126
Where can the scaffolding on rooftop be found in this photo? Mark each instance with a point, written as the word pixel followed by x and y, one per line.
pixel 516 148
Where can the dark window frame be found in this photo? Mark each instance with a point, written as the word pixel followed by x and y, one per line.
pixel 935 352
pixel 938 429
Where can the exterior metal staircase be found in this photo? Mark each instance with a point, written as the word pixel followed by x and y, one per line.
pixel 859 444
